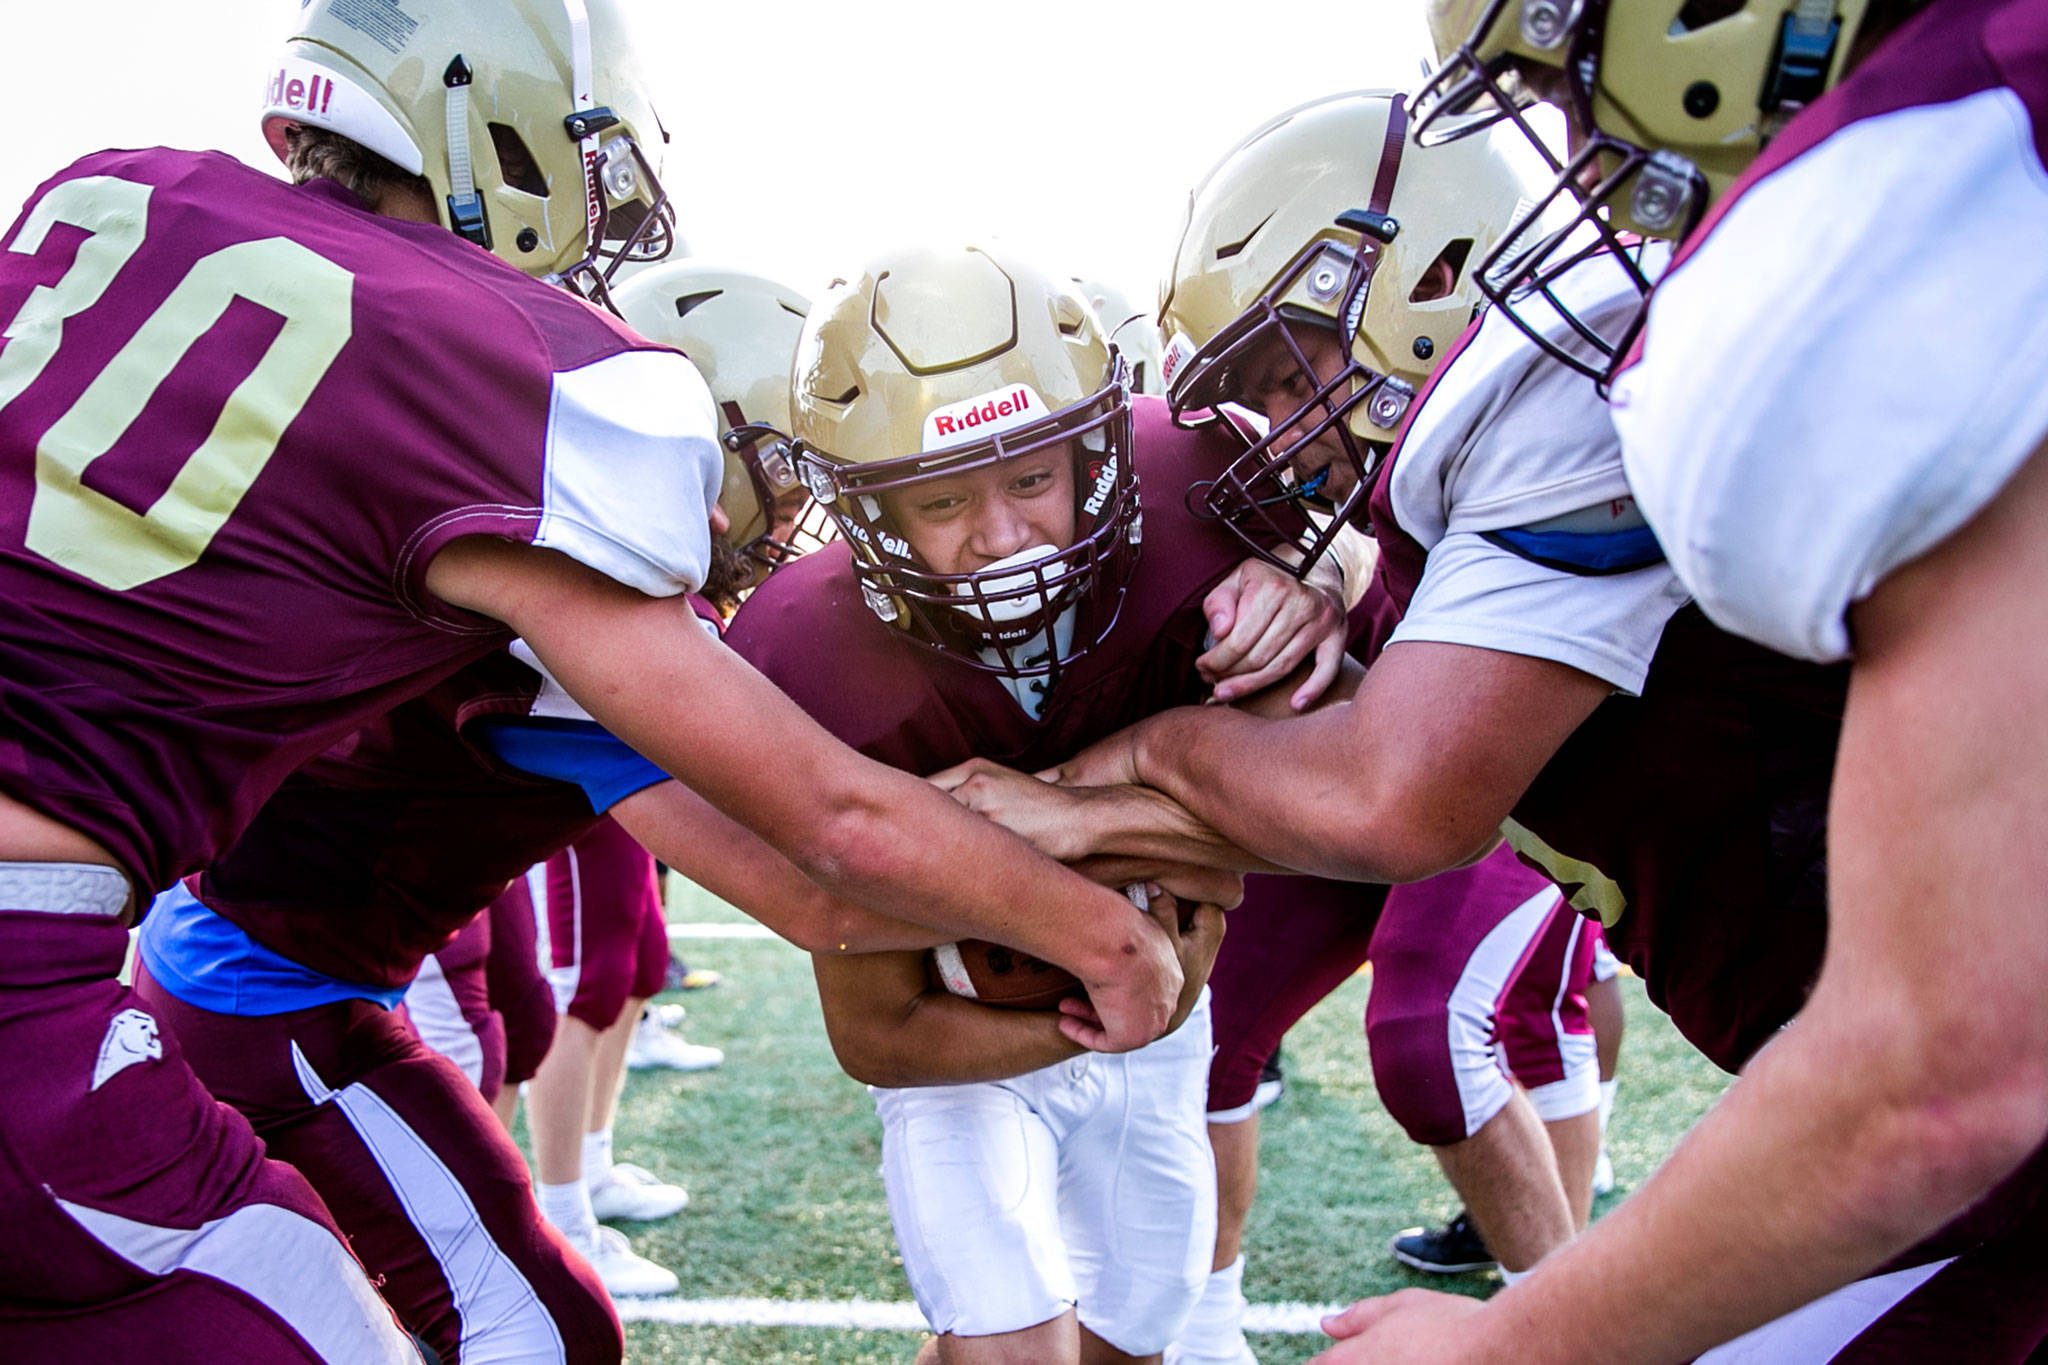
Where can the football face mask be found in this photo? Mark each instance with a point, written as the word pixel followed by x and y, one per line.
pixel 1666 102
pixel 1279 496
pixel 1028 615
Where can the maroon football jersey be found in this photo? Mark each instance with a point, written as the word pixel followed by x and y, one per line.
pixel 1696 813
pixel 808 630
pixel 381 849
pixel 237 420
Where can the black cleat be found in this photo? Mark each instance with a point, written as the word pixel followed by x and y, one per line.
pixel 1452 1249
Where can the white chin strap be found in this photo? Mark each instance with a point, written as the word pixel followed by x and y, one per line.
pixel 993 583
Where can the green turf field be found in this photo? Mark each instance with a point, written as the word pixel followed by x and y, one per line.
pixel 780 1153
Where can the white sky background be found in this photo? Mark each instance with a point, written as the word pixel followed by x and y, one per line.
pixel 806 136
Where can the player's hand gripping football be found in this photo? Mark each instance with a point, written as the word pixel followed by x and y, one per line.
pixel 1196 931
pixel 1265 624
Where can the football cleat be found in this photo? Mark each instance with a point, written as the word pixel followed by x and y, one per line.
pixel 654 1044
pixel 1452 1249
pixel 635 1194
pixel 624 1272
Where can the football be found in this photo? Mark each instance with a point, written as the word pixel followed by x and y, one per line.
pixel 1004 977
pixel 998 976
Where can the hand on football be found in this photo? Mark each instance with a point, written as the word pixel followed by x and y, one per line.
pixel 1265 624
pixel 1049 817
pixel 1197 929
pixel 1140 1003
pixel 1413 1324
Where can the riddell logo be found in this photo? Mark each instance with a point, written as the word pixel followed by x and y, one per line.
pixel 1105 484
pixel 983 415
pixel 313 94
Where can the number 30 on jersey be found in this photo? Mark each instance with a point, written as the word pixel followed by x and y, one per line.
pixel 86 531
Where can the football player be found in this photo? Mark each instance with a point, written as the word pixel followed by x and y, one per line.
pixel 277 457
pixel 1019 575
pixel 1833 424
pixel 276 966
pixel 483 1003
pixel 1476 973
pixel 1548 673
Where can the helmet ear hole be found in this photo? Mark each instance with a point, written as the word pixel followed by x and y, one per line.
pixel 516 163
pixel 1441 279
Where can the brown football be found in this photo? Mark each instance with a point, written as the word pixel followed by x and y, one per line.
pixel 1005 978
pixel 998 976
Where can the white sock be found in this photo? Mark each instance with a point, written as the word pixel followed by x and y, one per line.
pixel 1510 1276
pixel 597 1157
pixel 568 1208
pixel 1607 1089
pixel 1215 1330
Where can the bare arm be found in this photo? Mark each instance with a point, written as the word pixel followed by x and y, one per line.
pixel 1413 776
pixel 1124 821
pixel 1902 1094
pixel 889 1027
pixel 647 672
pixel 734 864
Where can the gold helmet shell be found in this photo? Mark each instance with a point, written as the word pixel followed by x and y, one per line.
pixel 1327 216
pixel 527 117
pixel 740 330
pixel 939 361
pixel 1668 101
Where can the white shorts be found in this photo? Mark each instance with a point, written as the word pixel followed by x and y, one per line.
pixel 1088 1184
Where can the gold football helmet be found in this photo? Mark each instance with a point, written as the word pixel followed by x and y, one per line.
pixel 1327 217
pixel 944 361
pixel 1667 101
pixel 527 117
pixel 740 330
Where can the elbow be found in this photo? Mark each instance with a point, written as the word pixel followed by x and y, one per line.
pixel 1378 839
pixel 866 1058
pixel 1963 1109
pixel 852 845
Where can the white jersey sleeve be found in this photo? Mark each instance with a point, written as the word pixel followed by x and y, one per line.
pixel 633 468
pixel 1508 440
pixel 1847 368
pixel 1473 592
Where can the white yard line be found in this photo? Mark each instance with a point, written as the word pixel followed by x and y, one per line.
pixel 720 931
pixel 870 1316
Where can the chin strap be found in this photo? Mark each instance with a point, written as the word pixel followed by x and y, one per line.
pixel 465 205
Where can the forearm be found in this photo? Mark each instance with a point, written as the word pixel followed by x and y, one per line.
pixel 1809 1174
pixel 736 865
pixel 648 673
pixel 1246 779
pixel 1143 824
pixel 931 1037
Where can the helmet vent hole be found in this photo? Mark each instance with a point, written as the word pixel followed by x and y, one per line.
pixel 516 163
pixel 1699 14
pixel 690 301
pixel 1225 252
pixel 1445 272
pixel 846 397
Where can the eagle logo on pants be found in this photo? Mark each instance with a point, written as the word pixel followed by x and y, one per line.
pixel 131 1038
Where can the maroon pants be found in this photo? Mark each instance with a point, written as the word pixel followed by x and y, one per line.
pixel 1478 974
pixel 607 937
pixel 482 1001
pixel 142 1219
pixel 432 1193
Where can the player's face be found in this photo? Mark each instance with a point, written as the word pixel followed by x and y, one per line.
pixel 962 523
pixel 1278 387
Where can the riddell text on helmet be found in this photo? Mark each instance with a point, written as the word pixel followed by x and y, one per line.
pixel 313 94
pixel 986 413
